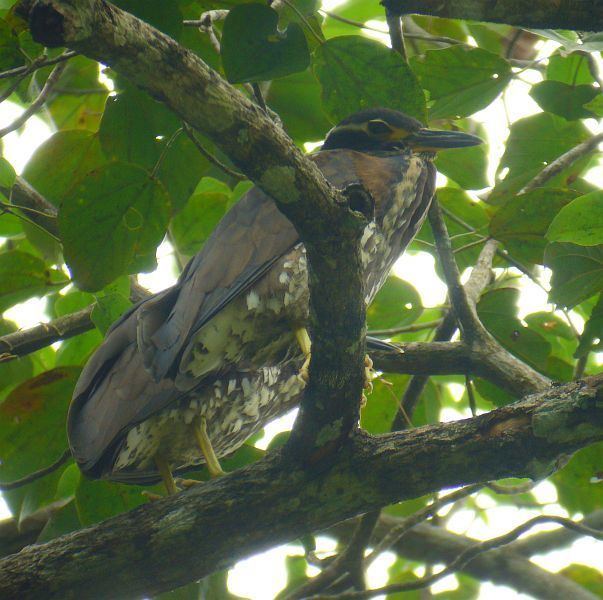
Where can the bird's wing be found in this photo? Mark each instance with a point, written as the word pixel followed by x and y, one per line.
pixel 113 393
pixel 244 245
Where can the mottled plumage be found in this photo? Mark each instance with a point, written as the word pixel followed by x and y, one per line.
pixel 220 343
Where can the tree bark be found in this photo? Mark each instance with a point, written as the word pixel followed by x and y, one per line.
pixel 579 15
pixel 183 538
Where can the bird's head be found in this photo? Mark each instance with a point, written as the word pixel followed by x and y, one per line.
pixel 382 130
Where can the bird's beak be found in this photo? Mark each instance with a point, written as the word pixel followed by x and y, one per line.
pixel 426 140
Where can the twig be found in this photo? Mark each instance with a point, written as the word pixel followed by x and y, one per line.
pixel 38 102
pixel 404 328
pixel 479 278
pixel 470 395
pixel 563 162
pixel 463 308
pixel 13 485
pixel 212 159
pixel 465 557
pixel 10 209
pixel 257 92
pixel 165 149
pixel 20 343
pixel 36 64
pixel 347 565
pixel 394 26
pixel 422 515
pixel 304 20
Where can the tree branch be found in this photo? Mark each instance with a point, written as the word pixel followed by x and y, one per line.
pixel 581 15
pixel 227 518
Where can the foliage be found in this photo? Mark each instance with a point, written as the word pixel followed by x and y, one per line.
pixel 123 177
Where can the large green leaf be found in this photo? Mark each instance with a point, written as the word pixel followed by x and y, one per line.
pixel 571 68
pixel 577 272
pixel 164 15
pixel 137 129
pixel 563 99
pixel 460 80
pixel 397 303
pixel 296 99
pixel 497 311
pixel 357 73
pixel 580 222
pixel 592 336
pixel 195 222
pixel 24 276
pixel 32 435
pixel 537 140
pixel 578 484
pixel 253 49
pixel 523 221
pixel 112 223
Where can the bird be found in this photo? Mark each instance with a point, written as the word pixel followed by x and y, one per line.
pixel 187 375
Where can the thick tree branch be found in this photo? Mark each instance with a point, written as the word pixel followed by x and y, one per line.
pixel 581 15
pixel 329 228
pixel 227 518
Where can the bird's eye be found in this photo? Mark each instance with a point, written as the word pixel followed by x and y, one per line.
pixel 377 127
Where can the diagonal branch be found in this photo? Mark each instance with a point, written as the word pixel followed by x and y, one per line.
pixel 227 518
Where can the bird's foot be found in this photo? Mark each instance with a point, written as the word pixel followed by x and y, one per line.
pixel 152 496
pixel 185 484
pixel 303 339
pixel 304 374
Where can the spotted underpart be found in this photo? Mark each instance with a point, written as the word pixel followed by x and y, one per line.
pixel 235 407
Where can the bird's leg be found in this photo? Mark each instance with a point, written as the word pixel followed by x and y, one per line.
pixel 166 476
pixel 303 339
pixel 211 460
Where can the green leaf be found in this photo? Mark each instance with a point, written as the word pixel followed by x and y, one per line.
pixel 460 80
pixel 77 350
pixel 82 99
pixel 296 99
pixel 54 169
pixel 523 221
pixel 588 577
pixel 109 307
pixel 253 49
pixel 569 68
pixel 32 435
pixel 14 371
pixel 60 523
pixel 580 222
pixel 592 336
pixel 397 303
pixel 135 128
pixel 112 224
pixel 58 165
pixel 564 100
pixel 466 166
pixel 164 15
pixel 577 272
pixel 24 276
pixel 579 484
pixel 195 222
pixel 357 73
pixel 537 140
pixel 98 500
pixel 7 174
pixel 497 310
